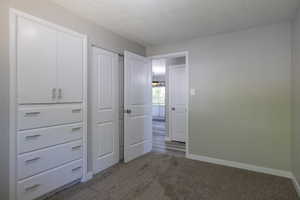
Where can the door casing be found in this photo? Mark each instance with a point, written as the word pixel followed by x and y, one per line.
pixel 186 55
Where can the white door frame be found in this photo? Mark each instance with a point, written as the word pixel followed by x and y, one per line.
pixel 186 55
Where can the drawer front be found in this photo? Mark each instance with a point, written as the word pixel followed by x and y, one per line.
pixel 38 161
pixel 35 139
pixel 38 116
pixel 45 182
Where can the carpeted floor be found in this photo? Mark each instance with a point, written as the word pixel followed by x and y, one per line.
pixel 157 176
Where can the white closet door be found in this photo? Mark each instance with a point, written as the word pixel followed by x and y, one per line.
pixel 70 68
pixel 138 106
pixel 36 60
pixel 178 102
pixel 104 109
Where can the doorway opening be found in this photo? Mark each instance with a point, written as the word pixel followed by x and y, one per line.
pixel 169 103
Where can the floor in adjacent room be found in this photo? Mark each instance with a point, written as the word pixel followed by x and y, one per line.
pixel 160 176
pixel 160 144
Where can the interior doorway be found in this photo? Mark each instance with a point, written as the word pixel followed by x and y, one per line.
pixel 169 102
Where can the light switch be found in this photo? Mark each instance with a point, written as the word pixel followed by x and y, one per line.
pixel 193 91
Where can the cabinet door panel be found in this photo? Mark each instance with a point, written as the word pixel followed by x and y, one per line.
pixel 36 62
pixel 70 68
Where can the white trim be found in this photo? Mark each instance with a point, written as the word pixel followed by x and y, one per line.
pixel 13 15
pixel 239 165
pixel 46 23
pixel 12 103
pixel 187 68
pixel 88 177
pixel 84 104
pixel 170 55
pixel 296 185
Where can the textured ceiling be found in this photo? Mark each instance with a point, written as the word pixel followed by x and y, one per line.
pixel 154 22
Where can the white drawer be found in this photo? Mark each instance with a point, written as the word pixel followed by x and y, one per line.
pixel 35 139
pixel 48 181
pixel 37 116
pixel 41 160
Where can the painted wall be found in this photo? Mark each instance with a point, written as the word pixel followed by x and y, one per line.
pixel 296 97
pixel 4 92
pixel 241 111
pixel 58 15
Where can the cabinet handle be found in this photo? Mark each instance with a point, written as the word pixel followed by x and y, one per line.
pixel 32 187
pixel 75 169
pixel 32 160
pixel 32 136
pixel 59 93
pixel 30 114
pixel 76 147
pixel 76 128
pixel 76 110
pixel 53 93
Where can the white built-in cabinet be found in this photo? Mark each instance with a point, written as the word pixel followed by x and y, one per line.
pixel 50 64
pixel 48 107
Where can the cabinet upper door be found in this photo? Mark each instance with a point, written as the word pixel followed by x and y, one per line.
pixel 70 67
pixel 36 62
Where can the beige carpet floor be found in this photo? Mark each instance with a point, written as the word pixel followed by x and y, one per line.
pixel 158 176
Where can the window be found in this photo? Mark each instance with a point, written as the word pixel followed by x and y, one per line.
pixel 158 95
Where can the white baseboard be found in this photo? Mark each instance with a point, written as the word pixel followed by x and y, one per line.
pixel 296 184
pixel 239 165
pixel 88 177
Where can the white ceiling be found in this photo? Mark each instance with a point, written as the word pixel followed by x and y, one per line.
pixel 154 22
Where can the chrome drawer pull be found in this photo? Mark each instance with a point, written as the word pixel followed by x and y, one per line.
pixel 76 110
pixel 32 136
pixel 32 187
pixel 30 114
pixel 76 128
pixel 59 93
pixel 32 160
pixel 75 169
pixel 53 93
pixel 76 147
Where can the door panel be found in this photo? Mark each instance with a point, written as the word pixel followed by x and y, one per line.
pixel 137 104
pixel 70 67
pixel 105 138
pixel 178 102
pixel 36 60
pixel 104 110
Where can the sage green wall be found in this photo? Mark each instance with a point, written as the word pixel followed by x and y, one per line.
pixel 56 14
pixel 241 111
pixel 4 92
pixel 296 97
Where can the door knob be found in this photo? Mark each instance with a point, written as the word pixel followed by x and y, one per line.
pixel 173 108
pixel 128 111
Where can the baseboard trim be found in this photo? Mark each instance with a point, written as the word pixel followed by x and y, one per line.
pixel 88 177
pixel 239 165
pixel 296 185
